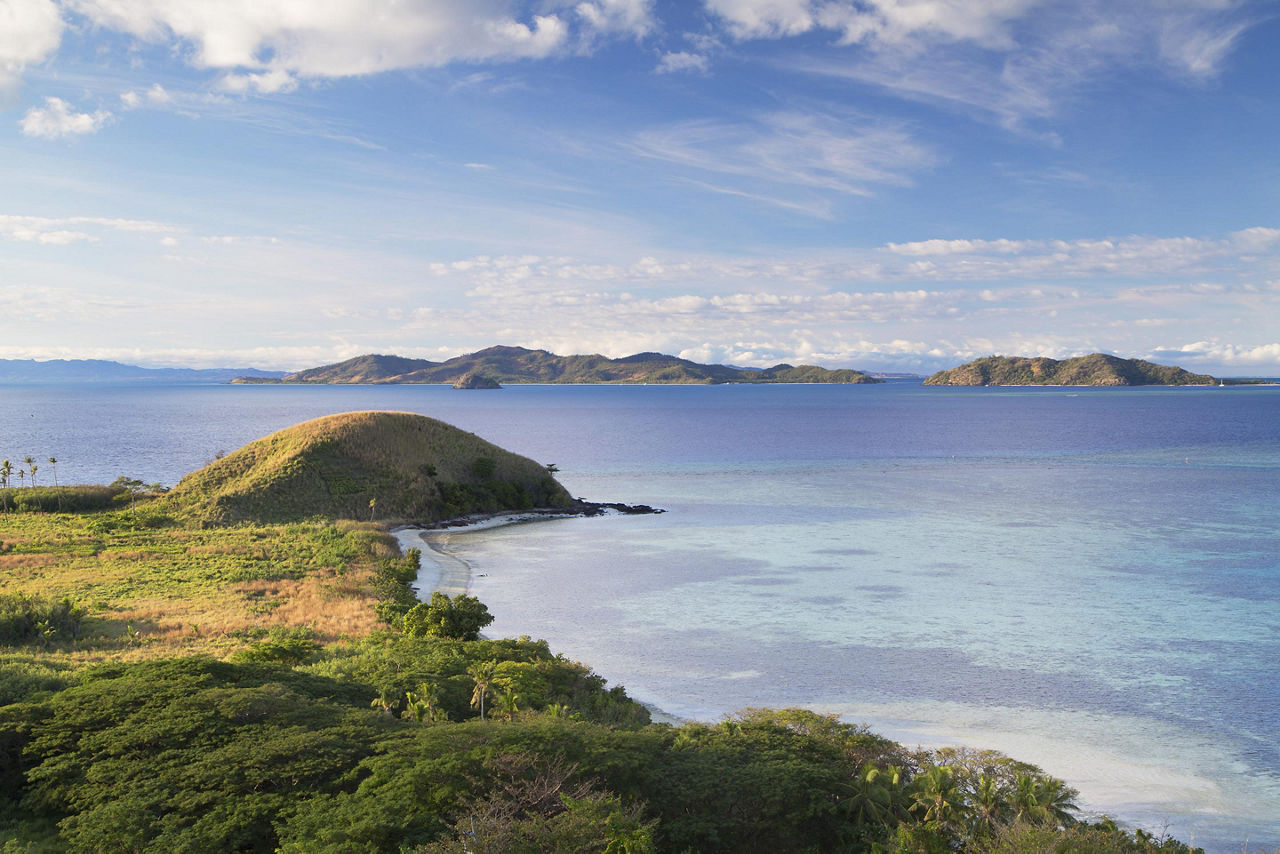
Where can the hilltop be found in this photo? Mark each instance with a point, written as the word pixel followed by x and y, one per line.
pixel 1097 369
pixel 383 466
pixel 507 365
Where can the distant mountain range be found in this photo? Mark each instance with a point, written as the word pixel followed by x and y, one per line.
pixel 499 365
pixel 97 370
pixel 520 365
pixel 1096 369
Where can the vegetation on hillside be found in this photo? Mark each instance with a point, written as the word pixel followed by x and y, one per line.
pixel 507 365
pixel 167 685
pixel 1097 369
pixel 392 467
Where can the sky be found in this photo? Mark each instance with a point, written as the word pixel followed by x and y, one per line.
pixel 889 185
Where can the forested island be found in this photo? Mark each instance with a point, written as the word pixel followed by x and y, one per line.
pixel 240 664
pixel 1096 369
pixel 506 365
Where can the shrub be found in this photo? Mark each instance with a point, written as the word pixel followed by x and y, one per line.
pixel 32 618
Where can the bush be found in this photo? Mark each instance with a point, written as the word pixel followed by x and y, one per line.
pixel 459 618
pixel 32 618
pixel 58 499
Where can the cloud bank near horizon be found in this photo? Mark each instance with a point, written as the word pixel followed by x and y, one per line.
pixel 876 184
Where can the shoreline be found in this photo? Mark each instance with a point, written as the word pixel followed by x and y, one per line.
pixel 450 574
pixel 1104 775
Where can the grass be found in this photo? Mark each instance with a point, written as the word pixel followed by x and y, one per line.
pixel 163 588
pixel 385 466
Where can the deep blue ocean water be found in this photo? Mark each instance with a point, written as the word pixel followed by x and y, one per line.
pixel 1088 579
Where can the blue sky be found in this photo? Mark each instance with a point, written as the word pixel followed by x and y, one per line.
pixel 880 184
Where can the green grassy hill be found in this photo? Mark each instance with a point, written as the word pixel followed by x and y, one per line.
pixel 520 365
pixel 1096 369
pixel 413 469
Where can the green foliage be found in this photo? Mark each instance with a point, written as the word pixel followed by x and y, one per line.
pixel 291 647
pixel 58 499
pixel 24 619
pixel 1097 369
pixel 23 677
pixel 460 618
pixel 484 467
pixel 186 755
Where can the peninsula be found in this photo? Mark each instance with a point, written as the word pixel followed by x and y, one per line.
pixel 507 365
pixel 241 664
pixel 1096 369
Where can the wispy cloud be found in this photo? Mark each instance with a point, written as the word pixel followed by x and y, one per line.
pixel 64 230
pixel 790 149
pixel 1013 62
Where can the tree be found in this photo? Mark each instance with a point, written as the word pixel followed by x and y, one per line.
pixel 989 805
pixel 870 801
pixel 31 467
pixel 482 674
pixel 131 487
pixel 937 797
pixel 53 462
pixel 460 618
pixel 6 472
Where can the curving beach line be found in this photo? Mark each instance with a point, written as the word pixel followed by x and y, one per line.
pixel 443 570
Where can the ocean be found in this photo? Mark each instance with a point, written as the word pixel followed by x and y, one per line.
pixel 1086 579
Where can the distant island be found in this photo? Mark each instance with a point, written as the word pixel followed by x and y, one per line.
pixel 1096 369
pixel 101 370
pixel 506 365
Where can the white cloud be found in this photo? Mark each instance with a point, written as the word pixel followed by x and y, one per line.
pixel 677 61
pixel 1219 353
pixel 629 17
pixel 268 82
pixel 269 45
pixel 156 96
pixel 65 230
pixel 764 18
pixel 30 31
pixel 57 119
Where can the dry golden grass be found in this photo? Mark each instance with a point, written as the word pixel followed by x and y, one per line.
pixel 176 590
pixel 20 561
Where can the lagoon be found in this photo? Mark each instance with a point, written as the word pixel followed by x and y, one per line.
pixel 1088 579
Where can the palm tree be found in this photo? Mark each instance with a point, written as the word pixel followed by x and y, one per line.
pixel 1027 796
pixel 990 805
pixel 508 703
pixel 53 461
pixel 870 803
pixel 937 797
pixel 6 471
pixel 1057 802
pixel 482 674
pixel 31 468
pixel 898 786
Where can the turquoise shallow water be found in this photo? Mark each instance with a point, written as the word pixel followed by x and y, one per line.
pixel 1087 579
